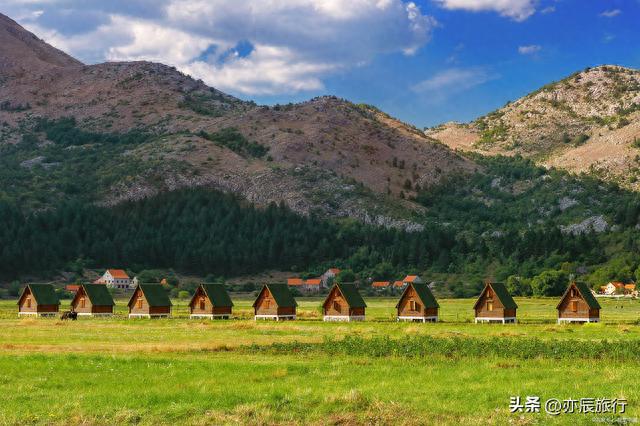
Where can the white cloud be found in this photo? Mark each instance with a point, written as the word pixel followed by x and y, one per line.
pixel 548 9
pixel 529 49
pixel 291 45
pixel 518 10
pixel 453 80
pixel 611 13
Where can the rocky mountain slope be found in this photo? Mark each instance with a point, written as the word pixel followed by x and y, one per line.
pixel 326 155
pixel 587 122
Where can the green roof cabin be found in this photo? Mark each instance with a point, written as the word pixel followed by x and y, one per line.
pixel 40 300
pixel 344 303
pixel 93 300
pixel 417 303
pixel 149 301
pixel 276 302
pixel 578 304
pixel 495 304
pixel 211 301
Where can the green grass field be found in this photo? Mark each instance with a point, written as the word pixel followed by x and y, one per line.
pixel 120 371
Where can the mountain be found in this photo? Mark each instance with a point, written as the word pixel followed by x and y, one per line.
pixel 587 122
pixel 326 156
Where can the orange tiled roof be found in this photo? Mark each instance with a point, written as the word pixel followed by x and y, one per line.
pixel 398 283
pixel 380 284
pixel 410 278
pixel 99 281
pixel 118 273
pixel 313 281
pixel 294 281
pixel 334 271
pixel 72 287
pixel 630 286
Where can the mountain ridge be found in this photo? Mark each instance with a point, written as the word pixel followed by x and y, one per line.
pixel 587 122
pixel 325 155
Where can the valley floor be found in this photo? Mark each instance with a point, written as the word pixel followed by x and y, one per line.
pixel 180 371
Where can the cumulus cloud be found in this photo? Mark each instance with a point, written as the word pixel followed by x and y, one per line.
pixel 611 13
pixel 453 80
pixel 293 44
pixel 529 49
pixel 518 10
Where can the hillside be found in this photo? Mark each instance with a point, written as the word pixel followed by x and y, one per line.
pixel 327 155
pixel 587 122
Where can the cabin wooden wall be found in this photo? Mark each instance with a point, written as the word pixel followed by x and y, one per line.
pixel 75 303
pixel 404 306
pixel 583 310
pixel 133 306
pixel 498 308
pixel 100 309
pixel 22 303
pixel 357 312
pixel 335 298
pixel 195 305
pixel 261 304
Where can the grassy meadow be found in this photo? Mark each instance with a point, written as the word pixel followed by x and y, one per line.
pixel 120 371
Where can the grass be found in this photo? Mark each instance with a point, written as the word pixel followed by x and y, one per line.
pixel 119 371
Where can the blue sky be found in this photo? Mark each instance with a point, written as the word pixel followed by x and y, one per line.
pixel 426 61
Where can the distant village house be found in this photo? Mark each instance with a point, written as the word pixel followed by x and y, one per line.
pixel 39 300
pixel 115 278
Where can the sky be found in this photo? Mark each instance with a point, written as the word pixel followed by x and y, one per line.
pixel 423 61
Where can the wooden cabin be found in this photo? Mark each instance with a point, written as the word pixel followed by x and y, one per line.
pixel 344 303
pixel 578 305
pixel 93 300
pixel 417 303
pixel 211 301
pixel 495 304
pixel 276 302
pixel 40 300
pixel 149 301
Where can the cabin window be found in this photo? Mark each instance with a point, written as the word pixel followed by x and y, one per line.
pixel 82 302
pixel 202 304
pixel 413 306
pixel 573 292
pixel 574 306
pixel 336 306
pixel 489 305
pixel 489 294
pixel 28 302
pixel 267 303
pixel 139 303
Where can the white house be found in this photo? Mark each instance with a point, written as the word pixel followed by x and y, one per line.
pixel 115 278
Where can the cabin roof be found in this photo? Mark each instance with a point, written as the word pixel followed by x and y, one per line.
pixel 44 294
pixel 501 293
pixel 98 295
pixel 585 291
pixel 424 293
pixel 351 295
pixel 155 295
pixel 281 294
pixel 218 294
